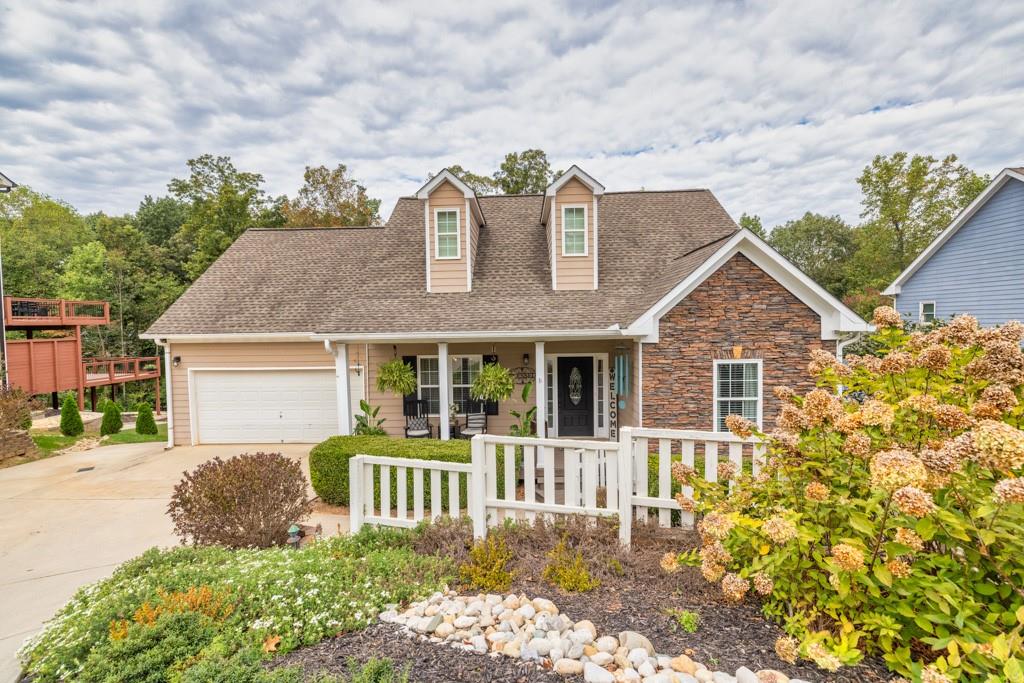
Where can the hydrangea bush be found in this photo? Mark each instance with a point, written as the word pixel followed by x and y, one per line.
pixel 889 517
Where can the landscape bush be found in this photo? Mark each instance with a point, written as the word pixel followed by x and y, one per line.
pixel 247 501
pixel 70 419
pixel 111 423
pixel 15 411
pixel 144 422
pixel 486 568
pixel 890 525
pixel 328 465
pixel 567 569
pixel 277 595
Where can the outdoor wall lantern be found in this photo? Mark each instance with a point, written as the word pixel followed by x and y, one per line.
pixel 358 367
pixel 526 359
pixel 176 361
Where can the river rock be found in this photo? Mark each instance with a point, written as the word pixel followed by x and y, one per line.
pixel 568 667
pixel 541 646
pixel 771 676
pixel 745 675
pixel 601 658
pixel 645 669
pixel 607 644
pixel 683 664
pixel 592 673
pixel 587 626
pixel 632 640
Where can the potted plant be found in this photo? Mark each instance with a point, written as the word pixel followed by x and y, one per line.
pixel 494 383
pixel 396 377
pixel 368 424
pixel 527 419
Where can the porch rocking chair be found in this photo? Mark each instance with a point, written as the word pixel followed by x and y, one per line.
pixel 476 423
pixel 418 427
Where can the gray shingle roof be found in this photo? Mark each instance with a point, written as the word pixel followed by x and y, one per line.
pixel 371 280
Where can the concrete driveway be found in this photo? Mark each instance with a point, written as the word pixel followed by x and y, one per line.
pixel 63 526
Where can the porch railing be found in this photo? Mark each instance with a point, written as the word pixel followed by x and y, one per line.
pixel 24 311
pixel 622 479
pixel 100 371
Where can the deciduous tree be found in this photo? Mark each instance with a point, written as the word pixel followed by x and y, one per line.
pixel 820 246
pixel 330 197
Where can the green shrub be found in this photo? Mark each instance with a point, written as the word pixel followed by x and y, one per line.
pixel 685 619
pixel 328 465
pixel 15 412
pixel 111 419
pixel 70 418
pixel 888 520
pixel 248 501
pixel 487 566
pixel 567 570
pixel 368 424
pixel 273 593
pixel 144 422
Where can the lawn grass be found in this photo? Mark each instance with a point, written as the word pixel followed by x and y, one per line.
pixel 129 435
pixel 49 442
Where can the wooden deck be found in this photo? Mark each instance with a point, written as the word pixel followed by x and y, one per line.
pixel 25 313
pixel 103 371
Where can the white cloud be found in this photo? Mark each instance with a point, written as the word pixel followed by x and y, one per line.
pixel 775 108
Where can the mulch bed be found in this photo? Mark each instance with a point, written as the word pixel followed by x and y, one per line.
pixel 635 594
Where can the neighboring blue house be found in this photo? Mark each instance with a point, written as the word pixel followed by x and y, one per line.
pixel 974 266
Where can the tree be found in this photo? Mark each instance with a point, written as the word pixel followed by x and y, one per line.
pixel 111 423
pixel 144 422
pixel 481 184
pixel 331 198
pixel 821 246
pixel 753 224
pixel 160 219
pixel 526 172
pixel 909 201
pixel 223 202
pixel 70 418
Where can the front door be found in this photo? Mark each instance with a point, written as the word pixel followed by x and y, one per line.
pixel 576 396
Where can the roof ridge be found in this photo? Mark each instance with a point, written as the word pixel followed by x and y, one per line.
pixel 317 227
pixel 703 246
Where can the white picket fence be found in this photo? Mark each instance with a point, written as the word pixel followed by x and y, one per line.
pixel 544 476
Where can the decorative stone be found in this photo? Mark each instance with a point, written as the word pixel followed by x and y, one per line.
pixel 568 667
pixel 556 653
pixel 600 658
pixel 630 675
pixel 479 644
pixel 722 677
pixel 432 624
pixel 663 677
pixel 632 640
pixel 527 611
pixel 581 637
pixel 511 649
pixel 745 675
pixel 771 676
pixel 664 661
pixel 587 626
pixel 444 630
pixel 541 646
pixel 683 664
pixel 575 652
pixel 645 669
pixel 544 605
pixel 589 650
pixel 463 622
pixel 592 673
pixel 637 656
pixel 607 644
pixel 704 676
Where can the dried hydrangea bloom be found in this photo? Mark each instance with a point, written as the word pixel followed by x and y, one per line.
pixel 999 395
pixel 784 393
pixel 858 444
pixel 932 675
pixel 997 445
pixel 951 417
pixel 909 538
pixel 896 363
pixel 792 419
pixel 984 410
pixel 1012 331
pixel 740 426
pixel 896 468
pixel 779 529
pixel 912 501
pixel 686 503
pixel 715 553
pixel 870 363
pixel 734 587
pixel 937 481
pixel 816 491
pixel 817 653
pixel 822 361
pixel 848 557
pixel 788 649
pixel 849 422
pixel 763 583
pixel 682 472
pixel 786 440
pixel 711 572
pixel 877 413
pixel 1009 491
pixel 835 582
pixel 944 460
pixel 962 330
pixel 670 563
pixel 935 358
pixel 715 526
pixel 898 567
pixel 822 406
pixel 886 316
pixel 726 471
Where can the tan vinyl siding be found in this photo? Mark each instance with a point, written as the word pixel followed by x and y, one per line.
pixel 241 355
pixel 447 275
pixel 574 272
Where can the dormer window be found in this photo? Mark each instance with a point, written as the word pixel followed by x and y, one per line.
pixel 447 242
pixel 574 231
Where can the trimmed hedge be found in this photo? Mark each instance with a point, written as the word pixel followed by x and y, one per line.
pixel 328 465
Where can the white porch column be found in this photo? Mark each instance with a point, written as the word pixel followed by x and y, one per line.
pixel 340 353
pixel 444 389
pixel 540 387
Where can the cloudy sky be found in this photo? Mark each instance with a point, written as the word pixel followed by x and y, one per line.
pixel 776 107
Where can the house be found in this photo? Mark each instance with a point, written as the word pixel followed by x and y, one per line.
pixel 622 308
pixel 974 265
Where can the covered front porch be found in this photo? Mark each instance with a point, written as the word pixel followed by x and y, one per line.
pixel 580 388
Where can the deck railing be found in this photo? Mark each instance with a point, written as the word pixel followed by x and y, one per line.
pixel 100 371
pixel 25 311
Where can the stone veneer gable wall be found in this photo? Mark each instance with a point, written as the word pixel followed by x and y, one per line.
pixel 738 305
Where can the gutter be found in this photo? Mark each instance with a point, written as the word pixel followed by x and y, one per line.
pixel 168 396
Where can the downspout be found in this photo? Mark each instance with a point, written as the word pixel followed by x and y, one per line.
pixel 168 396
pixel 841 345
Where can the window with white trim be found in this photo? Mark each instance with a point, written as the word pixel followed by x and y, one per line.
pixel 446 222
pixel 574 231
pixel 927 313
pixel 465 370
pixel 737 391
pixel 462 372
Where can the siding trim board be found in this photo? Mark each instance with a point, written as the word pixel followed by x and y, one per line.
pixel 997 184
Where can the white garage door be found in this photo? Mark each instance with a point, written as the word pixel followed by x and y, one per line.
pixel 264 406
